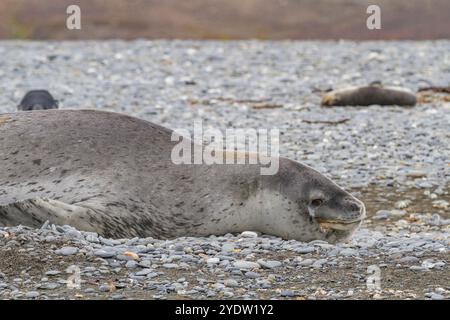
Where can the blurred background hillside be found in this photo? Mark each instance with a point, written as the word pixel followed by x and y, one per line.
pixel 225 19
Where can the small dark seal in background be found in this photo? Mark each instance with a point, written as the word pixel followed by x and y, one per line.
pixel 373 94
pixel 37 100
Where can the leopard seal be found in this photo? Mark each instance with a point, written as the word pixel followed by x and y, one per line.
pixel 112 174
pixel 373 94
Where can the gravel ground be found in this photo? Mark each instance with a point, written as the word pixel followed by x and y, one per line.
pixel 396 159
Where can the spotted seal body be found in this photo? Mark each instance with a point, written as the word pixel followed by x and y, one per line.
pixel 112 174
pixel 370 95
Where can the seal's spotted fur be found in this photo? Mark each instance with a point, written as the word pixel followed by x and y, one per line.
pixel 112 174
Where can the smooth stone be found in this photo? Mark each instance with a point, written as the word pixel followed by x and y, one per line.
pixel 408 259
pixel 306 262
pixel 436 296
pixel 74 233
pixel 104 288
pixel 32 294
pixel 418 268
pixel 213 261
pixel 104 254
pixel 242 264
pixel 381 215
pixel 319 263
pixel 248 234
pixel 131 264
pixel 287 293
pixel 305 250
pixel 145 263
pixel 415 174
pixel 348 252
pixel 218 286
pixel 143 272
pixel 251 275
pixel 228 247
pixel 49 286
pixel 67 251
pixel 232 283
pixel 269 264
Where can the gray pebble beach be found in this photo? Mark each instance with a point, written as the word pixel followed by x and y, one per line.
pixel 396 159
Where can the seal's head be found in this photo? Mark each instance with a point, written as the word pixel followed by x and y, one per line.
pixel 37 100
pixel 309 206
pixel 352 96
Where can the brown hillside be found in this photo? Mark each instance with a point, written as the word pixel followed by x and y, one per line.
pixel 225 19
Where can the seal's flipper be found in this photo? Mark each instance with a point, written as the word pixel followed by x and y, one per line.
pixel 34 212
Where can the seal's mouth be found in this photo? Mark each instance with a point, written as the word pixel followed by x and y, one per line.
pixel 344 225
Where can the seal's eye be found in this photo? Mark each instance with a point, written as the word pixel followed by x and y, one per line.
pixel 316 202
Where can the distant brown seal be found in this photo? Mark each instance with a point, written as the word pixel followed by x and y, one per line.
pixel 37 100
pixel 112 174
pixel 374 94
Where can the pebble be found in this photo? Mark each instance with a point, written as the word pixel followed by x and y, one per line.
pixel 131 264
pixel 408 259
pixel 218 286
pixel 32 294
pixel 231 283
pixel 416 174
pixel 349 252
pixel 213 261
pixel 418 268
pixel 152 275
pixel 251 275
pixel 287 293
pixel 145 263
pixel 269 264
pixel 306 262
pixel 228 247
pixel 143 272
pixel 441 204
pixel 366 152
pixel 131 255
pixel 249 234
pixel 104 253
pixel 67 251
pixel 402 204
pixel 242 264
pixel 381 215
pixel 319 263
pixel 436 296
pixel 104 288
pixel 49 286
pixel 305 250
